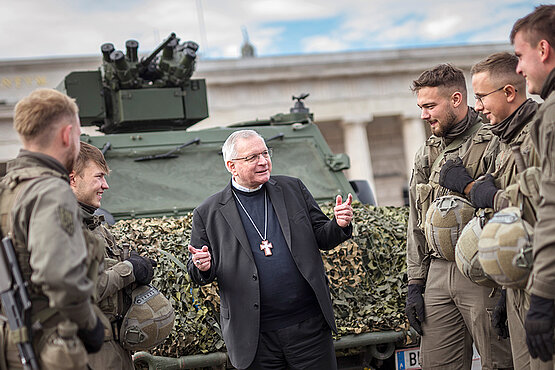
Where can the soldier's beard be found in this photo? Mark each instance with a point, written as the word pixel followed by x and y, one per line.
pixel 448 123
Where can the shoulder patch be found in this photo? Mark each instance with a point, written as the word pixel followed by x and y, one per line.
pixel 66 220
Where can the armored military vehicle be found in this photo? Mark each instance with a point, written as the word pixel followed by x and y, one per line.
pixel 159 167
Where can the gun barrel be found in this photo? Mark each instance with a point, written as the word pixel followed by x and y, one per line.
pixel 151 57
pixel 189 57
pixel 27 354
pixel 119 60
pixel 132 47
pixel 107 49
pixel 191 45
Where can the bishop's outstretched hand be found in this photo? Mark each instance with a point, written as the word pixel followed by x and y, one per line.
pixel 343 211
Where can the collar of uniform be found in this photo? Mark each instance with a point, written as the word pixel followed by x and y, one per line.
pixel 88 209
pixel 242 188
pixel 44 160
pixel 512 125
pixel 548 85
pixel 89 218
pixel 462 126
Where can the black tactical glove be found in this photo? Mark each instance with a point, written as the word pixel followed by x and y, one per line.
pixel 453 176
pixel 483 192
pixel 415 307
pixel 499 316
pixel 92 339
pixel 539 328
pixel 142 268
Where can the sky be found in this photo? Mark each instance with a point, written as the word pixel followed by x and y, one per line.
pixel 45 28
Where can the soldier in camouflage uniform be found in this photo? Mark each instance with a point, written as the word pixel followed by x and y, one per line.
pixel 448 310
pixel 40 212
pixel 118 270
pixel 500 94
pixel 533 37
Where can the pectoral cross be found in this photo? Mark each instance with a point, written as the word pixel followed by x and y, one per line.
pixel 266 246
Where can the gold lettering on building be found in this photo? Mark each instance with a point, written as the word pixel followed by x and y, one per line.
pixel 19 82
pixel 41 80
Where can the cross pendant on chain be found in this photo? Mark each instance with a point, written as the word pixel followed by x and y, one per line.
pixel 266 246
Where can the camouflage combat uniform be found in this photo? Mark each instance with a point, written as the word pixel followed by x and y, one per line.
pixel 114 276
pixel 542 280
pixel 520 190
pixel 456 309
pixel 39 210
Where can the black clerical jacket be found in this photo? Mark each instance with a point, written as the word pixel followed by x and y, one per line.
pixel 217 224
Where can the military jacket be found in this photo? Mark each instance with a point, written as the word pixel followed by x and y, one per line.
pixel 542 282
pixel 45 225
pixel 113 274
pixel 517 188
pixel 477 149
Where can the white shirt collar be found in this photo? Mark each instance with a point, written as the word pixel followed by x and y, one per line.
pixel 242 188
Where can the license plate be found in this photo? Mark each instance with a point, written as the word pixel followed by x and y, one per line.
pixel 407 359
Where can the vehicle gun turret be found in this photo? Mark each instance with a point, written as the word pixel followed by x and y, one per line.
pixel 128 94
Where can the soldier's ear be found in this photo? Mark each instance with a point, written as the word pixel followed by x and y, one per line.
pixel 456 99
pixel 66 134
pixel 510 93
pixel 545 50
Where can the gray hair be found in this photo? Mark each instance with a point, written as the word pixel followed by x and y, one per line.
pixel 228 149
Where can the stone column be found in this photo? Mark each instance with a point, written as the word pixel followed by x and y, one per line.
pixel 414 135
pixel 357 148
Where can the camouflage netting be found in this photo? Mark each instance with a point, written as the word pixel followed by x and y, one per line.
pixel 367 275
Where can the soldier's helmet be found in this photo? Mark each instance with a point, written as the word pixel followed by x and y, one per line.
pixel 504 248
pixel 466 253
pixel 445 220
pixel 148 321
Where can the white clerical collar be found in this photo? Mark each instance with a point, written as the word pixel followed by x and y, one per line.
pixel 242 188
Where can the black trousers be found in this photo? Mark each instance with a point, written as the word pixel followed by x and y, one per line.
pixel 305 345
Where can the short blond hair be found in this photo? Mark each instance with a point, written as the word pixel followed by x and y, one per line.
pixel 37 112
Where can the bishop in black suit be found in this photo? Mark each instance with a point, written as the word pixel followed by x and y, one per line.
pixel 260 237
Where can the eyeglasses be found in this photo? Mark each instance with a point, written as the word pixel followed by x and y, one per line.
pixel 254 157
pixel 480 97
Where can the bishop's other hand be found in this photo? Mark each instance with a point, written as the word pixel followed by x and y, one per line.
pixel 343 211
pixel 201 257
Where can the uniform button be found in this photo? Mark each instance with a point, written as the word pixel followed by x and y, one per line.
pixel 256 306
pixel 254 277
